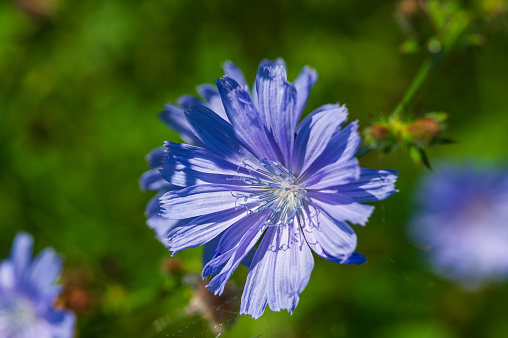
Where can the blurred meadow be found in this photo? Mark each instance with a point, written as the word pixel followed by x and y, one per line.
pixel 82 82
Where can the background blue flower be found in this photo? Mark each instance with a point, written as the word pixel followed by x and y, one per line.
pixel 28 292
pixel 462 222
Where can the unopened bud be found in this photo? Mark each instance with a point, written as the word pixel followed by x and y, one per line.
pixel 424 130
pixel 81 292
pixel 379 132
pixel 414 18
pixel 172 266
pixel 37 10
pixel 410 8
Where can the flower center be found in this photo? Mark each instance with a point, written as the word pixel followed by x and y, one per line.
pixel 277 190
pixel 16 315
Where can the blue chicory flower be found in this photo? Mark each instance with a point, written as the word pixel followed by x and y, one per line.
pixel 462 220
pixel 254 174
pixel 28 291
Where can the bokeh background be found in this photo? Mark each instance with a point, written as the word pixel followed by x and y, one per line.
pixel 81 83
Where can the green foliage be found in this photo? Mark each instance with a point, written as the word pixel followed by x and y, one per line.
pixel 81 83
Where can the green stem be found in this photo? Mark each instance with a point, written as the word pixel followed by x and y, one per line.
pixel 421 77
pixel 457 25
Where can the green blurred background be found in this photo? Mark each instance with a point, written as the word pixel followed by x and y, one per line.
pixel 81 83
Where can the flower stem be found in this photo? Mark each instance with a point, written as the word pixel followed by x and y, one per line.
pixel 421 77
pixel 452 24
pixel 419 80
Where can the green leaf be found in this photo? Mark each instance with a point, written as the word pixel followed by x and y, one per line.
pixel 410 46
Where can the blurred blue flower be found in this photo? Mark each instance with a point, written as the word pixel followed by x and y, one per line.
pixel 254 174
pixel 463 222
pixel 28 291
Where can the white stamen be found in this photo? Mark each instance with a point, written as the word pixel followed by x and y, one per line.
pixel 279 190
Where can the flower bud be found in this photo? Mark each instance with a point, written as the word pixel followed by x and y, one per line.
pixel 379 132
pixel 172 266
pixel 413 17
pixel 81 292
pixel 424 130
pixel 38 10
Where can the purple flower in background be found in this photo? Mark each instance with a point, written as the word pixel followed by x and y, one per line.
pixel 254 174
pixel 463 220
pixel 28 291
